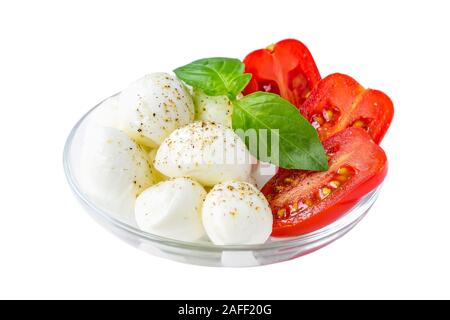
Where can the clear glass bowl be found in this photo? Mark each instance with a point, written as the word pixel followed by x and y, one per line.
pixel 205 253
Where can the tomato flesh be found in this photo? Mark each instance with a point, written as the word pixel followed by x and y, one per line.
pixel 339 102
pixel 305 201
pixel 286 68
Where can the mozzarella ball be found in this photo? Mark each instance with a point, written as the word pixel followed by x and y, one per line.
pixel 235 212
pixel 204 151
pixel 152 107
pixel 216 109
pixel 114 170
pixel 172 209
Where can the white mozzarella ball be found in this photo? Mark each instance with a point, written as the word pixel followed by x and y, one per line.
pixel 152 107
pixel 114 170
pixel 216 109
pixel 235 212
pixel 207 152
pixel 172 209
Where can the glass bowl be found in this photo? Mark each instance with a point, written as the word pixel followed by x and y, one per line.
pixel 206 253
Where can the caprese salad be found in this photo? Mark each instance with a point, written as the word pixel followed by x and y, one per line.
pixel 234 152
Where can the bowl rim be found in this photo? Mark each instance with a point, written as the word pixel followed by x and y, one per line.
pixel 351 216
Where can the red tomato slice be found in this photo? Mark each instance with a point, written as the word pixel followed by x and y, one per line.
pixel 305 201
pixel 339 102
pixel 286 68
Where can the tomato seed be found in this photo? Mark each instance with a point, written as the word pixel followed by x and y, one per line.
pixel 360 124
pixel 325 192
pixel 288 180
pixel 334 184
pixel 281 213
pixel 328 114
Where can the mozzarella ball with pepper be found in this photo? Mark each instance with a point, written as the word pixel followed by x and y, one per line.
pixel 235 212
pixel 216 109
pixel 204 151
pixel 114 170
pixel 154 106
pixel 172 209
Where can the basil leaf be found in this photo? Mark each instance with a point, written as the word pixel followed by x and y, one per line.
pixel 215 76
pixel 239 83
pixel 299 144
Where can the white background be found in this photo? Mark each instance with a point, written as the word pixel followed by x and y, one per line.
pixel 59 58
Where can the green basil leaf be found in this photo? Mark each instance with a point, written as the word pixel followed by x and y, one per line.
pixel 299 146
pixel 239 83
pixel 215 76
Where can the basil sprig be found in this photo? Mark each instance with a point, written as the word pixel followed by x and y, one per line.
pixel 298 142
pixel 215 76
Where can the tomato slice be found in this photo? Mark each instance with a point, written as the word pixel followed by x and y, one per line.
pixel 339 102
pixel 286 68
pixel 305 201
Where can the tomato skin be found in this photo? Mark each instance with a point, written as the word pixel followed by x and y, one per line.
pixel 383 112
pixel 339 102
pixel 351 151
pixel 287 68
